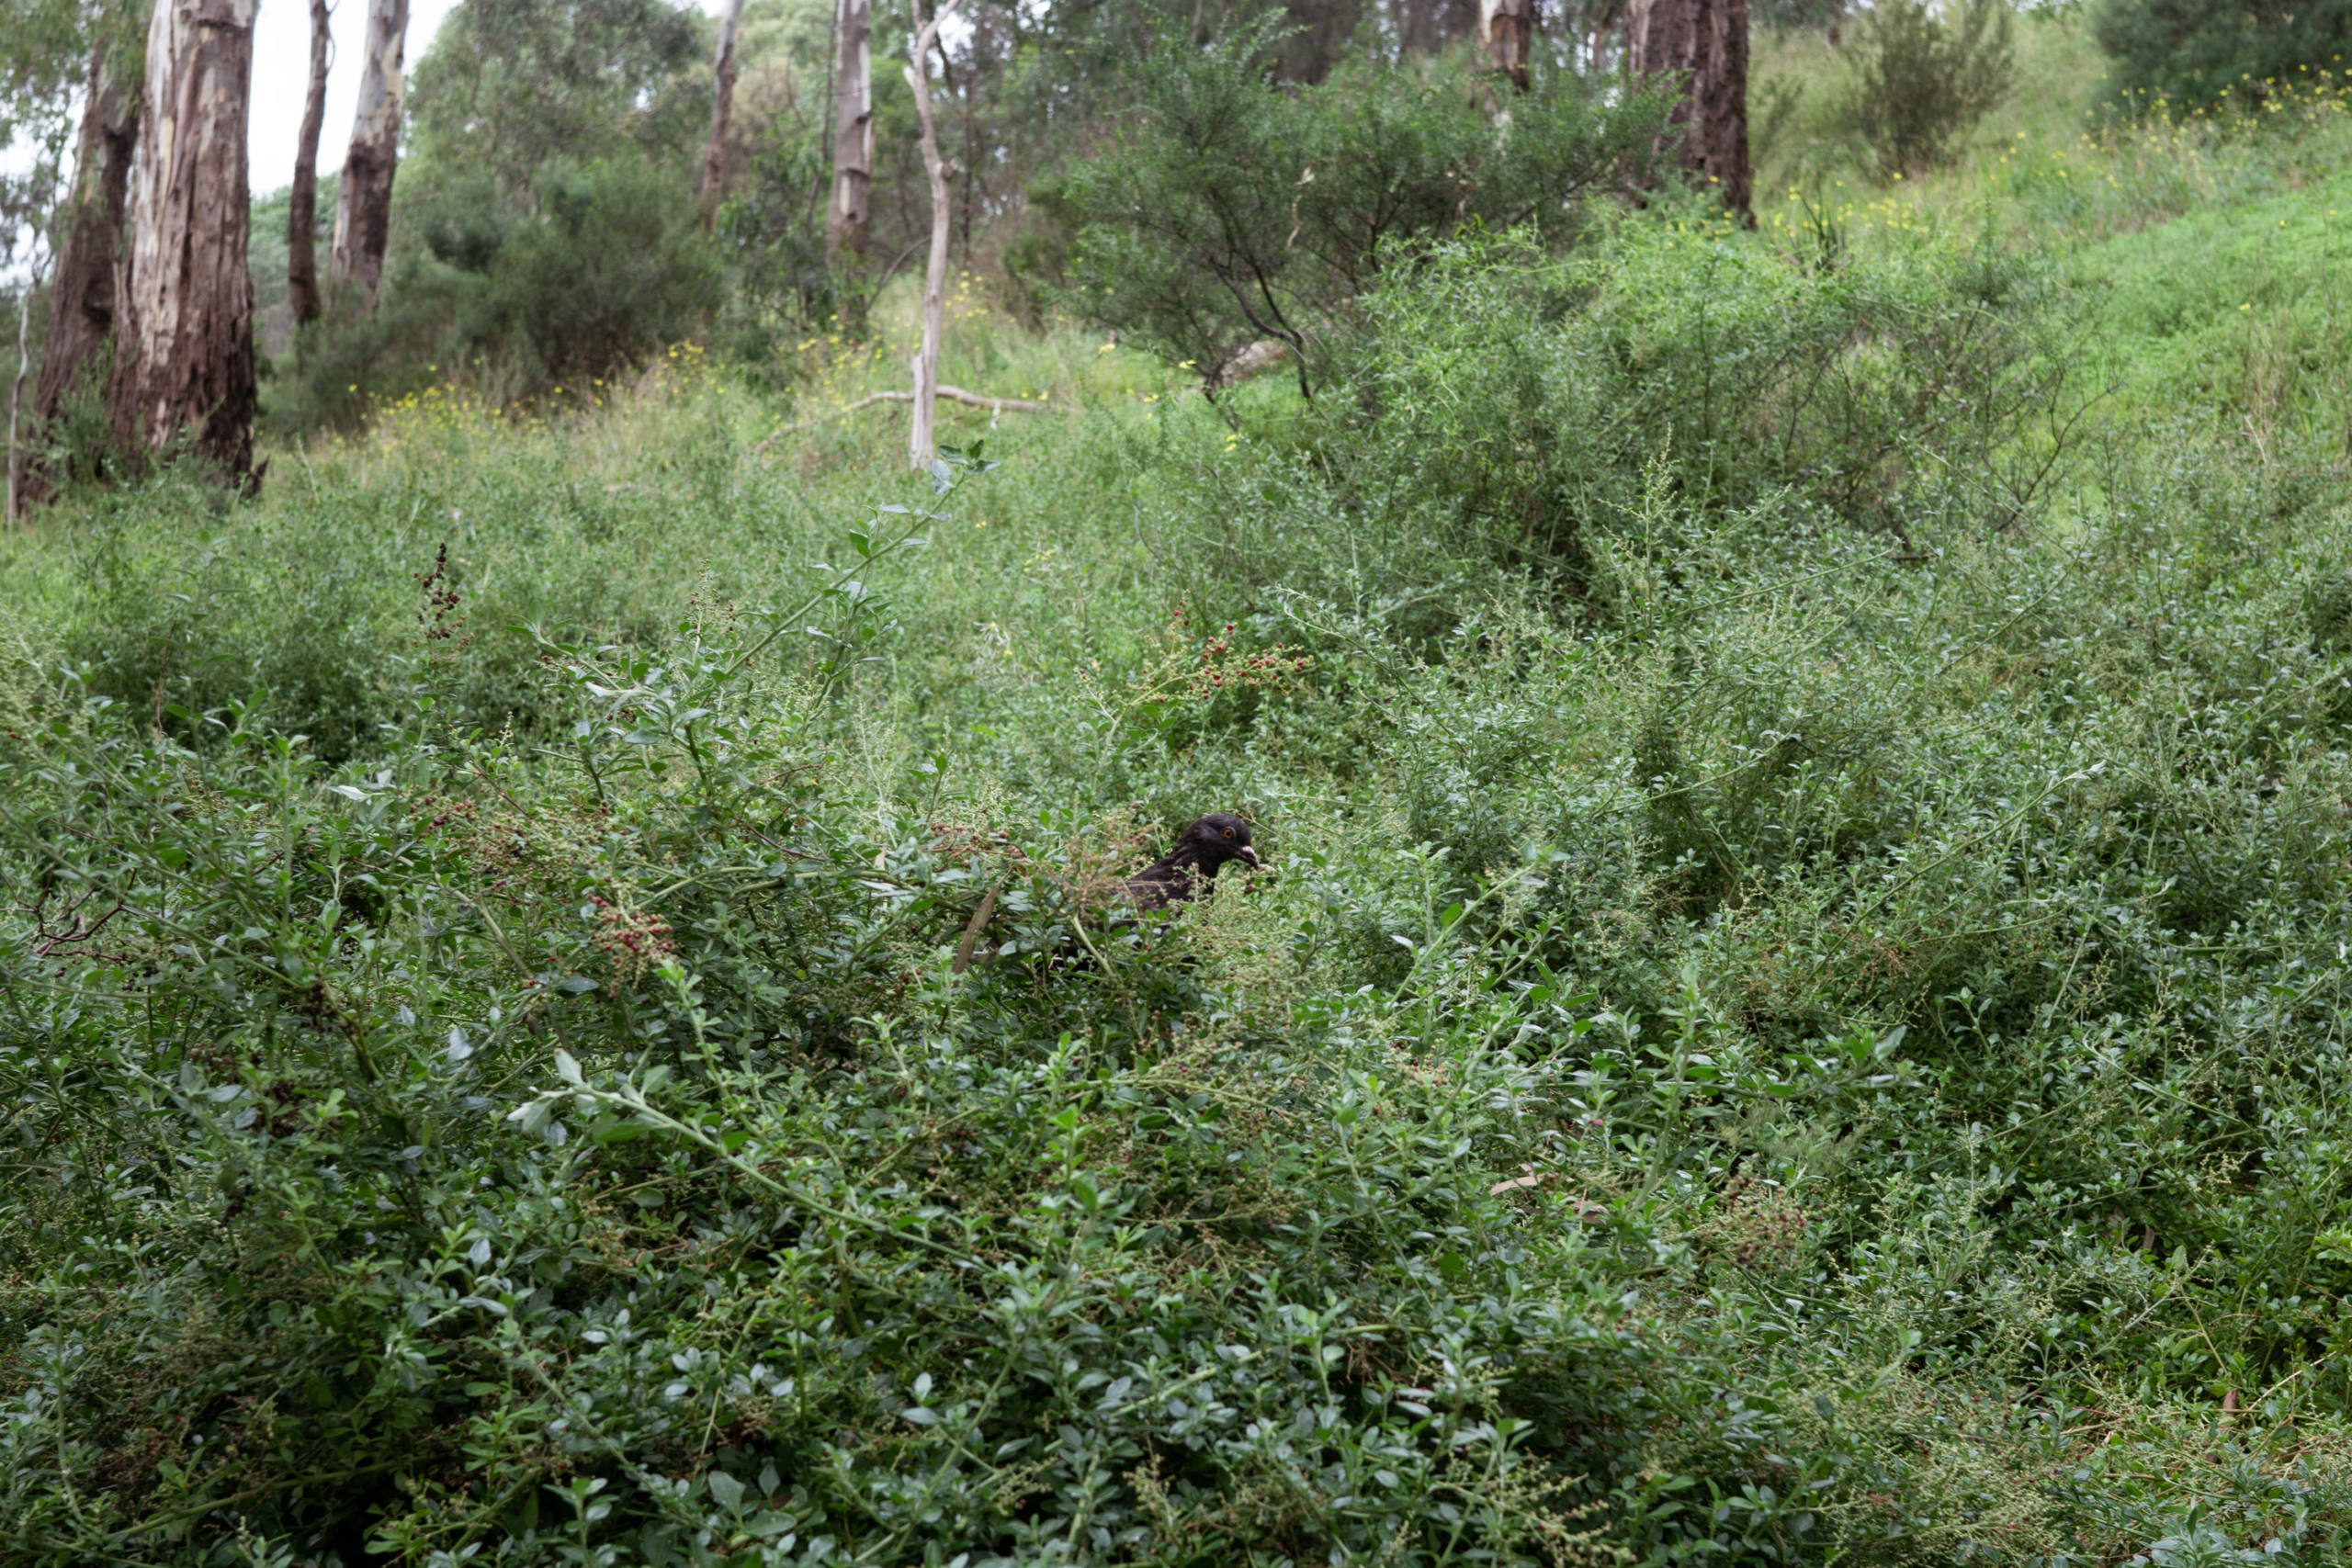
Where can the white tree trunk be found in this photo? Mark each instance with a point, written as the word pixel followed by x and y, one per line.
pixel 185 361
pixel 362 207
pixel 17 388
pixel 1506 38
pixel 846 220
pixel 722 108
pixel 922 448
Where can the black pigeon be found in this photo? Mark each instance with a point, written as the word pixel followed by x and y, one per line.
pixel 1201 851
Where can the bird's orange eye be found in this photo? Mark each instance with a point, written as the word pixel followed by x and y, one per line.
pixel 1228 832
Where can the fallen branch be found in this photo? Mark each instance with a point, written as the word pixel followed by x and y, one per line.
pixel 953 394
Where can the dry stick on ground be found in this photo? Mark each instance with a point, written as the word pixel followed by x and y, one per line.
pixel 953 394
pixel 979 922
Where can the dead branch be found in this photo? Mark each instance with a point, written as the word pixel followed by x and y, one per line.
pixel 953 394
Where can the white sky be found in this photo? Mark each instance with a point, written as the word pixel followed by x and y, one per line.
pixel 281 73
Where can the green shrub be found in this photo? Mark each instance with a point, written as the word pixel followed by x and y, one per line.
pixel 606 268
pixel 1764 1046
pixel 1234 210
pixel 1923 75
pixel 579 1141
pixel 614 267
pixel 1531 397
pixel 508 87
pixel 772 234
pixel 2195 52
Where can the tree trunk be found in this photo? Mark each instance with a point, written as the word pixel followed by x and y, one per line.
pixel 1506 38
pixel 89 263
pixel 302 202
pixel 363 209
pixel 847 222
pixel 1705 43
pixel 922 446
pixel 185 360
pixel 18 473
pixel 722 108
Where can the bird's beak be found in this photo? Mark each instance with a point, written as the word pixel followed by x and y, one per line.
pixel 1249 854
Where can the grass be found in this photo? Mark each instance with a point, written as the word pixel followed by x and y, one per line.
pixel 1758 1042
pixel 2061 80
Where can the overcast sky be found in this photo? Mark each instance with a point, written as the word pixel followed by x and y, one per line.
pixel 281 72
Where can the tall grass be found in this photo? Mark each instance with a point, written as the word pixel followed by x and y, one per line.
pixel 1772 1031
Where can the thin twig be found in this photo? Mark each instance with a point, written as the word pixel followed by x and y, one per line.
pixel 981 918
pixel 953 394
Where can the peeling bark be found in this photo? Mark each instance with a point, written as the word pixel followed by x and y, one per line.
pixel 302 202
pixel 1506 38
pixel 84 300
pixel 1705 43
pixel 847 221
pixel 185 365
pixel 722 108
pixel 363 209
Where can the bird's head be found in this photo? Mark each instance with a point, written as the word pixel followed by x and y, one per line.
pixel 1216 839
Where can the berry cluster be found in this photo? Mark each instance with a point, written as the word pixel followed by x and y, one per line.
pixel 438 614
pixel 633 940
pixel 1200 669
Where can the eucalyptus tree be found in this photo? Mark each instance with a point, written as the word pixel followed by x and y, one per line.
pixel 363 213
pixel 302 202
pixel 1701 46
pixel 183 366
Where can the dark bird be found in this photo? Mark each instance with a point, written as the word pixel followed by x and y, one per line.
pixel 1202 850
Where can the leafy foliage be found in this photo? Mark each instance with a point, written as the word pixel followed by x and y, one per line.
pixel 1922 77
pixel 1759 1039
pixel 1234 210
pixel 511 86
pixel 1541 401
pixel 2195 52
pixel 545 231
pixel 606 267
pixel 773 230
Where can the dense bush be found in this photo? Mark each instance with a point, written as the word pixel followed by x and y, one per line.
pixel 578 1141
pixel 1234 210
pixel 608 264
pixel 2194 53
pixel 1538 399
pixel 1755 1043
pixel 545 229
pixel 510 86
pixel 772 232
pixel 1922 77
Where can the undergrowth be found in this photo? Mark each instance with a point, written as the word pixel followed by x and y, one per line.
pixel 1795 1011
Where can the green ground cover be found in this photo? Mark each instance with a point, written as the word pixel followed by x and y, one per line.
pixel 1796 1012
